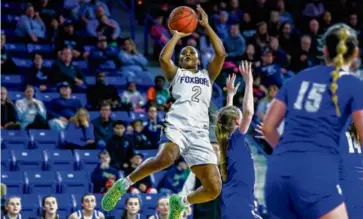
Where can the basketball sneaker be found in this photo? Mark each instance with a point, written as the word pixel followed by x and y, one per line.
pixel 110 199
pixel 176 207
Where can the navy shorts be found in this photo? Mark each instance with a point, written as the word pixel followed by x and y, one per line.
pixel 302 184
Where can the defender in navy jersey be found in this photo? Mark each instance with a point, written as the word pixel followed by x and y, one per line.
pixel 236 163
pixel 303 172
pixel 351 171
pixel 88 210
pixel 187 122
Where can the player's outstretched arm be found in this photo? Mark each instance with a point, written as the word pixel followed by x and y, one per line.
pixel 272 120
pixel 231 89
pixel 166 64
pixel 216 63
pixel 358 123
pixel 248 110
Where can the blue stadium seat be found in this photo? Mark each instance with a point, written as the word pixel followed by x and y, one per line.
pixel 118 81
pixel 12 7
pixel 116 212
pixel 27 160
pixel 139 116
pixel 14 139
pixel 66 204
pixel 44 139
pixel 30 205
pixel 14 182
pixel 81 64
pixel 6 161
pixel 44 49
pixel 12 81
pixel 15 95
pixel 148 153
pixel 17 49
pixel 41 182
pixel 121 115
pixel 156 177
pixel 93 114
pixel 87 159
pixel 149 203
pixel 74 182
pixel 80 97
pixel 47 63
pixel 46 97
pixel 59 160
pixel 24 63
pixel 161 115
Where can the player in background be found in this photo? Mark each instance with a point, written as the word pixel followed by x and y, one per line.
pixel 49 208
pixel 236 163
pixel 88 209
pixel 302 177
pixel 351 171
pixel 187 124
pixel 13 208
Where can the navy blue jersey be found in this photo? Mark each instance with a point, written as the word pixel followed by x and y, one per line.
pixel 310 114
pixel 238 189
pixel 351 172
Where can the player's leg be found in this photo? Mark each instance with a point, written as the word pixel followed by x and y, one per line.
pixel 166 156
pixel 339 212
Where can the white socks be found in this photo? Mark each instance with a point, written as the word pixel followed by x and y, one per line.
pixel 185 200
pixel 128 182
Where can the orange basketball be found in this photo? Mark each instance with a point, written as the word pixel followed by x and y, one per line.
pixel 183 19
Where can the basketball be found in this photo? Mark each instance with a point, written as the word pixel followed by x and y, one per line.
pixel 183 19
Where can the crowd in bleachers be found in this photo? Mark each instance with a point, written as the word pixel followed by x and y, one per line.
pixel 79 108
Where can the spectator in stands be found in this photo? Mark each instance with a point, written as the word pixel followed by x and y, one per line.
pixel 80 132
pixel 31 112
pixel 206 49
pixel 284 15
pixel 13 207
pixel 132 208
pixel 160 34
pixel 270 72
pixel 49 207
pixel 265 103
pixel 174 178
pixel 222 26
pixel 274 24
pixel 7 64
pixel 288 41
pixel 89 11
pixel 88 208
pixel 235 13
pixel 64 70
pixel 280 56
pixel 141 140
pixel 354 23
pixel 8 112
pixel 247 27
pixel 162 209
pixel 102 25
pixel 49 11
pixel 132 99
pixel 102 92
pixel 327 21
pixel 304 56
pixel 153 126
pixel 103 125
pixel 261 38
pixel 259 11
pixel 30 25
pixel 314 33
pixel 63 108
pixel 120 147
pixel 68 38
pixel 101 56
pixel 144 185
pixel 158 95
pixel 38 75
pixel 250 55
pixel 235 44
pixel 104 175
pixel 132 62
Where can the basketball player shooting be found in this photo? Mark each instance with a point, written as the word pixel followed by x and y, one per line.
pixel 187 123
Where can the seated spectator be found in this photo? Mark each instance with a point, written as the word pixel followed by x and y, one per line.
pixel 327 21
pixel 162 209
pixel 250 55
pixel 31 112
pixel 206 49
pixel 76 9
pixel 30 25
pixel 247 27
pixel 132 208
pixel 235 44
pixel 314 33
pixel 287 39
pixel 49 11
pixel 81 130
pixel 153 127
pixel 101 56
pixel 160 34
pixel 285 16
pixel 144 185
pixel 269 72
pixel 174 178
pixel 353 22
pixel 264 104
pixel 63 108
pixel 104 175
pixel 88 203
pixel 274 24
pixel 102 92
pixel 64 70
pixel 53 30
pixel 49 208
pixel 261 38
pixel 8 112
pixel 88 12
pixel 158 95
pixel 280 56
pixel 303 57
pixel 120 147
pixel 132 99
pixel 13 207
pixel 235 13
pixel 222 26
pixel 38 76
pixel 132 61
pixel 103 125
pixel 7 64
pixel 67 38
pixel 102 25
pixel 141 140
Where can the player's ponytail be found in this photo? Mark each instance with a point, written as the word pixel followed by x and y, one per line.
pixel 224 128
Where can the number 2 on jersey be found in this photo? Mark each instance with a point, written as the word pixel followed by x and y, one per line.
pixel 197 91
pixel 314 98
pixel 353 144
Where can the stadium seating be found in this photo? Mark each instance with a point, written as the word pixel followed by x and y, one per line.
pixel 14 139
pixel 74 182
pixel 66 204
pixel 156 177
pixel 30 205
pixel 27 160
pixel 59 160
pixel 122 115
pixel 14 181
pixel 6 162
pixel 41 182
pixel 43 139
pixel 139 116
pixel 12 81
pixel 148 202
pixel 86 160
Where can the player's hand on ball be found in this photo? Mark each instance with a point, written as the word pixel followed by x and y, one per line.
pixel 231 89
pixel 179 34
pixel 203 16
pixel 245 68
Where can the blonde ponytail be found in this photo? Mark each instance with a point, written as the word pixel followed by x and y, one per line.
pixel 338 62
pixel 222 138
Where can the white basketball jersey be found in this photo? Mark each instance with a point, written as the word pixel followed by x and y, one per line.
pixel 191 94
